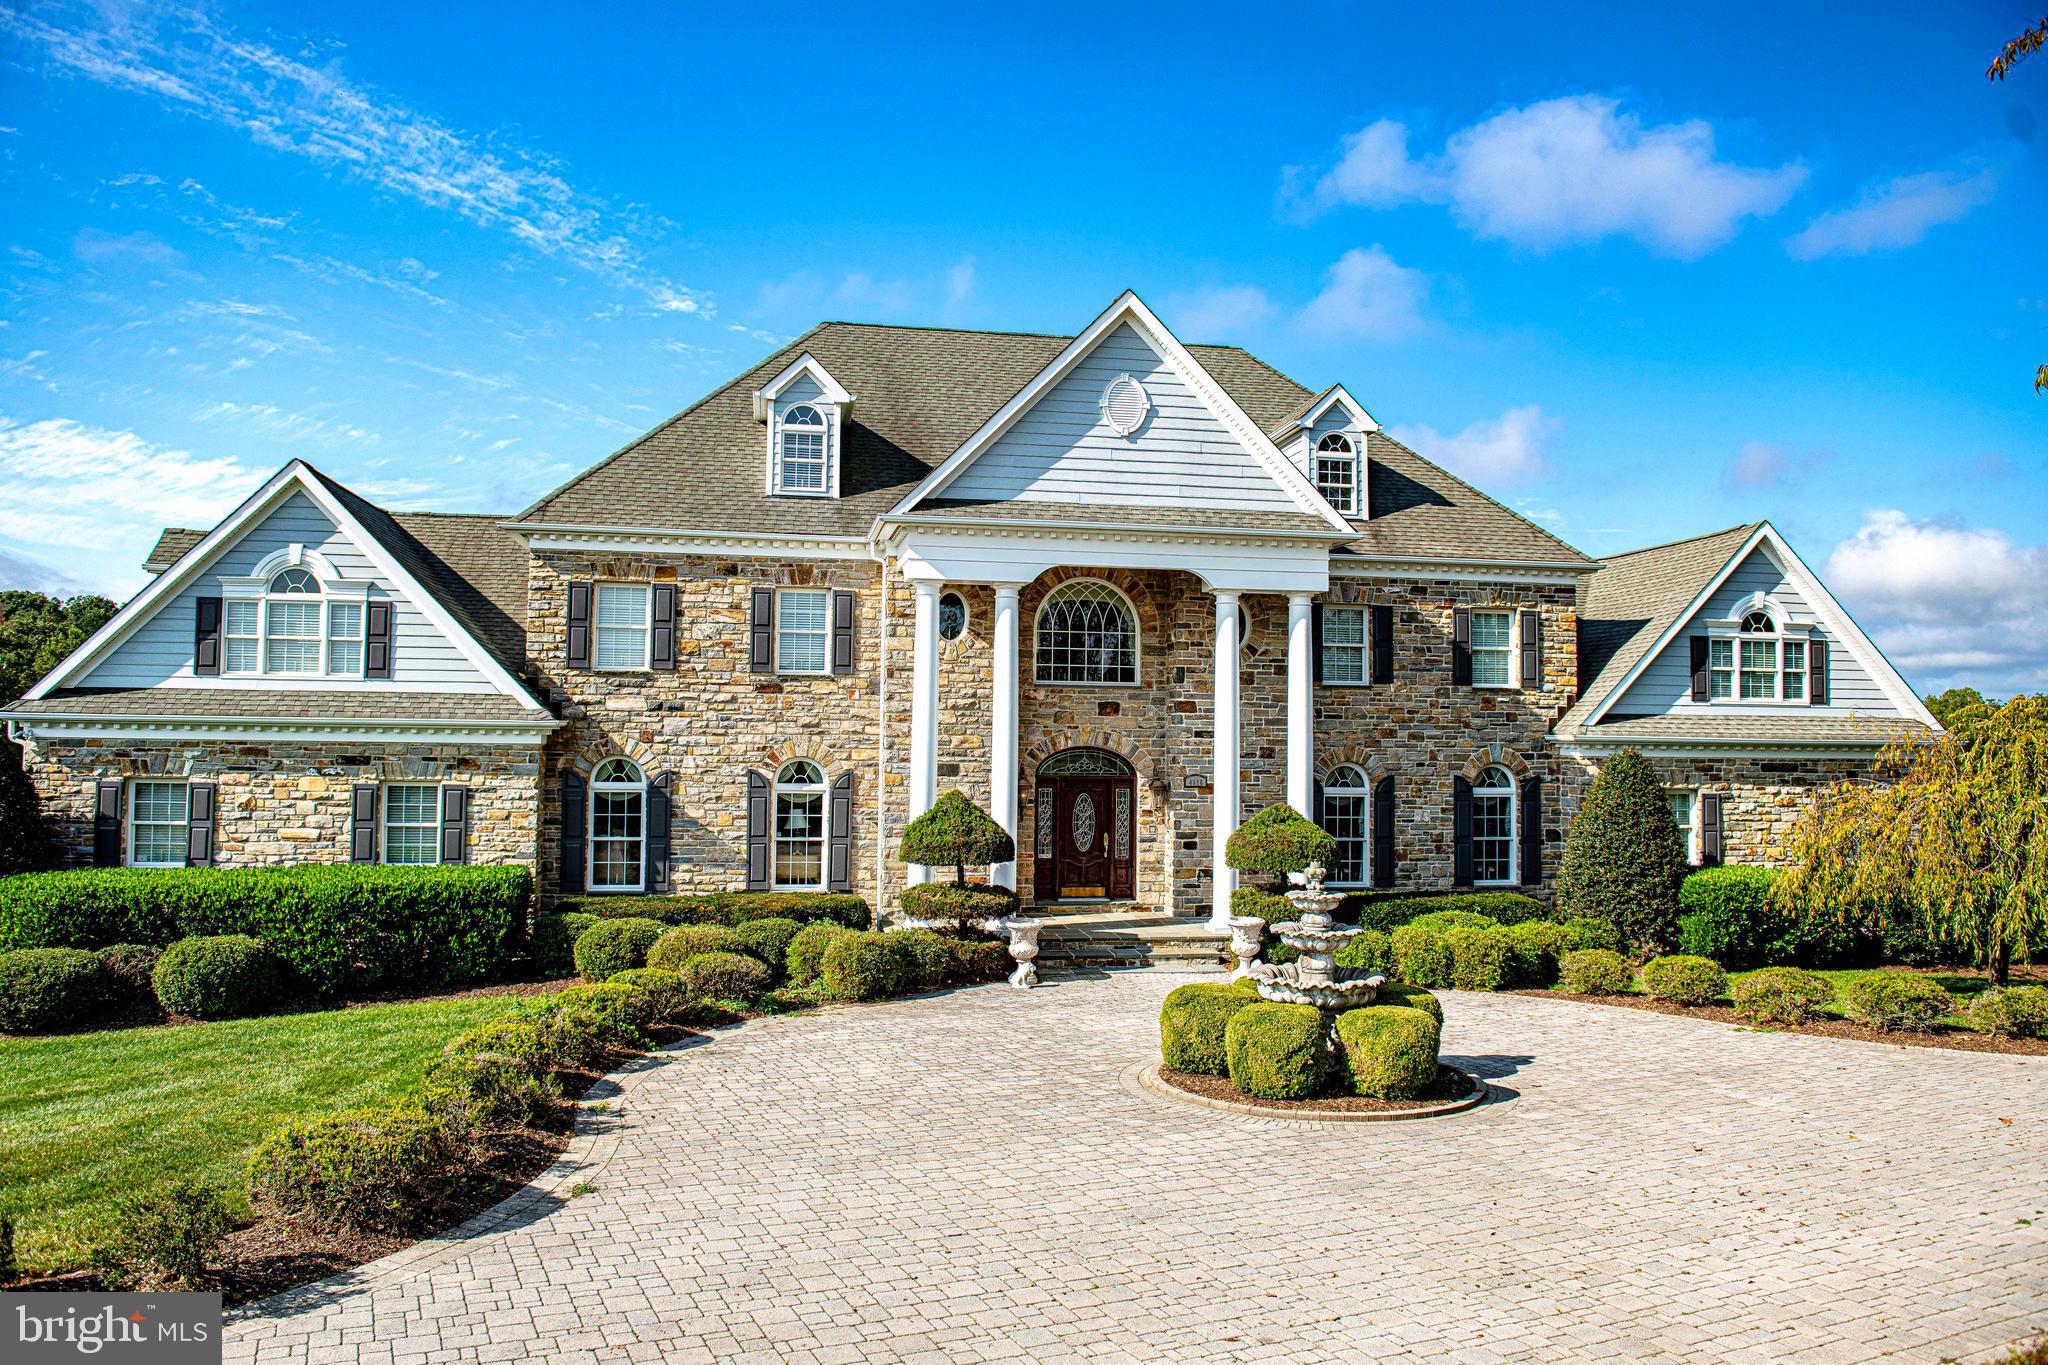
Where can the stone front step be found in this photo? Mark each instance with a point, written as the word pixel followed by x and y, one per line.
pixel 1127 936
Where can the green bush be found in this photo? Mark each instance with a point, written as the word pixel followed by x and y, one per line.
pixel 1684 979
pixel 1279 840
pixel 622 1011
pixel 976 960
pixel 931 957
pixel 1192 1024
pixel 1534 946
pixel 1479 958
pixel 1256 902
pixel 866 967
pixel 666 999
pixel 129 966
pixel 617 945
pixel 806 955
pixel 676 946
pixel 1387 911
pixel 1732 915
pixel 962 903
pixel 225 976
pixel 552 946
pixel 1624 857
pixel 356 1170
pixel 1369 949
pixel 768 940
pixel 2014 1012
pixel 1895 1001
pixel 1422 955
pixel 1275 1051
pixel 338 927
pixel 1443 921
pixel 43 989
pixel 1585 931
pixel 1414 997
pixel 1389 1051
pixel 1595 971
pixel 530 1041
pixel 476 1092
pixel 1780 995
pixel 955 833
pixel 164 1236
pixel 730 908
pixel 722 976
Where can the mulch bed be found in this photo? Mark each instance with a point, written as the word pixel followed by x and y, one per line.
pixel 1955 1040
pixel 1451 1084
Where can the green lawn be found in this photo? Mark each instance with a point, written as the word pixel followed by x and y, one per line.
pixel 86 1117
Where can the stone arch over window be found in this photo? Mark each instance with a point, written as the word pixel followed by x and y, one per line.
pixel 1495 756
pixel 1360 756
pixel 618 826
pixel 1086 632
pixel 1140 759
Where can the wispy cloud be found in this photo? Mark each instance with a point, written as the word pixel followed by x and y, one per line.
pixel 269 420
pixel 859 296
pixel 1223 313
pixel 1492 452
pixel 1899 212
pixel 1368 295
pixel 1760 464
pixel 96 247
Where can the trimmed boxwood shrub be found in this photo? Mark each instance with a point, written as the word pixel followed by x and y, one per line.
pixel 676 946
pixel 1192 1024
pixel 1780 995
pixel 472 1094
pixel 1683 979
pixel 1534 946
pixel 356 1170
pixel 1275 1051
pixel 1279 840
pixel 2015 1012
pixel 42 989
pixel 1624 857
pixel 1479 958
pixel 1586 931
pixel 1895 1001
pixel 1731 914
pixel 1414 997
pixel 617 945
pixel 767 940
pixel 552 945
pixel 1389 1051
pixel 722 976
pixel 166 1233
pixel 1256 902
pixel 729 907
pixel 806 953
pixel 1388 911
pixel 866 967
pixel 128 971
pixel 663 989
pixel 224 976
pixel 527 1040
pixel 1422 955
pixel 623 1010
pixel 1443 921
pixel 1370 949
pixel 954 832
pixel 1595 971
pixel 976 960
pixel 931 959
pixel 960 903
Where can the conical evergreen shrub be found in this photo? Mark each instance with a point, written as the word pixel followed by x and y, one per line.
pixel 1624 857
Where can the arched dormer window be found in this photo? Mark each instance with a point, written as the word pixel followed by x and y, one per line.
pixel 1493 828
pixel 1337 472
pixel 618 826
pixel 1087 636
pixel 291 625
pixel 1346 807
pixel 800 463
pixel 800 827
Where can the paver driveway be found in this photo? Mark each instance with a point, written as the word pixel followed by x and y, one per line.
pixel 963 1177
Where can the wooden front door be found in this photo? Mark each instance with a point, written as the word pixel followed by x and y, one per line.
pixel 1093 837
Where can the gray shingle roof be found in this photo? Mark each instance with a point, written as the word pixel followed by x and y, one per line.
pixel 1422 512
pixel 240 703
pixel 1791 728
pixel 170 547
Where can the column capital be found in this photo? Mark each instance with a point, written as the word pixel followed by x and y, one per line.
pixel 1224 594
pixel 927 587
pixel 1309 597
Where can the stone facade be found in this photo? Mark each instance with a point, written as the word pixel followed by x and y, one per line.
pixel 1762 798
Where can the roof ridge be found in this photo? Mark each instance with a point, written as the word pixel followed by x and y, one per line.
pixel 1042 336
pixel 1476 492
pixel 1745 527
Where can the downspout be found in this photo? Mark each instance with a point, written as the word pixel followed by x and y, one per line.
pixel 882 743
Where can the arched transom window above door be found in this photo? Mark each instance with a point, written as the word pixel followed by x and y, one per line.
pixel 1087 635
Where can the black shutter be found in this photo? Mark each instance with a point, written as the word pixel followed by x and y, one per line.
pixel 761 632
pixel 1532 830
pixel 1817 672
pixel 206 636
pixel 758 825
pixel 1315 640
pixel 1461 832
pixel 839 868
pixel 1383 832
pixel 655 876
pixel 1711 847
pixel 106 826
pixel 1461 646
pixel 842 632
pixel 377 639
pixel 454 824
pixel 1699 668
pixel 575 825
pixel 1315 801
pixel 1531 631
pixel 362 823
pixel 579 625
pixel 1382 643
pixel 663 654
pixel 199 823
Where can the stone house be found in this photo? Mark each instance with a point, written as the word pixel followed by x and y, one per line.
pixel 1120 590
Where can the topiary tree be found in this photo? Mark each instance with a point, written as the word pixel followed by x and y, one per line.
pixel 1277 841
pixel 955 831
pixel 1624 857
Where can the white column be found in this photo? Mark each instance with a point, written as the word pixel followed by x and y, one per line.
pixel 1002 749
pixel 1223 785
pixel 924 710
pixel 1301 702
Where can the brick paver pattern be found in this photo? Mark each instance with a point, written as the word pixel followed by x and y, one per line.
pixel 964 1177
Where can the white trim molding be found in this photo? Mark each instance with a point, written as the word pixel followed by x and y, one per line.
pixel 726 544
pixel 832 391
pixel 47 725
pixel 1336 394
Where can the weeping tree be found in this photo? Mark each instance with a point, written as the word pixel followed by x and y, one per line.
pixel 1624 856
pixel 955 833
pixel 1950 841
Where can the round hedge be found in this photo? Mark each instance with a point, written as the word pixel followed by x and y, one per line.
pixel 621 1011
pixel 1256 902
pixel 1479 958
pixel 1780 995
pixel 1389 1051
pixel 1369 949
pixel 1192 1024
pixel 806 953
pixel 2014 1012
pixel 1586 931
pixel 968 903
pixel 1534 947
pixel 1595 971
pixel 956 833
pixel 722 976
pixel 678 945
pixel 1443 921
pixel 663 989
pixel 979 959
pixel 1684 980
pixel 766 940
pixel 42 989
pixel 1894 1001
pixel 223 977
pixel 931 957
pixel 1414 997
pixel 1279 840
pixel 1422 955
pixel 866 966
pixel 611 946
pixel 1275 1051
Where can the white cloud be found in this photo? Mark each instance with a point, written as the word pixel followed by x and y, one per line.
pixel 1949 604
pixel 1760 464
pixel 1898 213
pixel 273 422
pixel 960 282
pixel 1225 313
pixel 1366 294
pixel 1574 169
pixel 1495 451
pixel 95 247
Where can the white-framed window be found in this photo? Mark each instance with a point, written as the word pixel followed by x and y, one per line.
pixel 1344 645
pixel 412 823
pixel 1347 803
pixel 159 823
pixel 800 452
pixel 799 827
pixel 952 616
pixel 803 630
pixel 1493 828
pixel 618 826
pixel 1757 663
pixel 291 623
pixel 345 639
pixel 1337 471
pixel 623 610
pixel 288 627
pixel 1685 804
pixel 1087 635
pixel 1493 648
pixel 242 628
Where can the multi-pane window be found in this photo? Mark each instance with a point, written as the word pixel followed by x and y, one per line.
pixel 1088 634
pixel 800 466
pixel 158 819
pixel 1493 827
pixel 292 630
pixel 244 638
pixel 1756 664
pixel 1683 801
pixel 618 826
pixel 291 623
pixel 799 827
pixel 345 638
pixel 1720 669
pixel 1337 471
pixel 1493 634
pixel 1345 803
pixel 803 620
pixel 412 823
pixel 1344 644
pixel 622 612
pixel 1794 685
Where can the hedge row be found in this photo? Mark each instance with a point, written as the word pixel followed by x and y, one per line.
pixel 726 907
pixel 1388 911
pixel 1731 914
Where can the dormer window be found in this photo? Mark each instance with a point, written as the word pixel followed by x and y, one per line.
pixel 805 410
pixel 1758 661
pixel 801 451
pixel 292 624
pixel 1337 472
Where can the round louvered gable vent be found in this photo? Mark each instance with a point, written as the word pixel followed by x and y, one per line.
pixel 1125 404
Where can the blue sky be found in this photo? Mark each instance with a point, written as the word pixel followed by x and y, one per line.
pixel 1641 274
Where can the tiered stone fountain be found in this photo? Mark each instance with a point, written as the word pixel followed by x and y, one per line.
pixel 1314 978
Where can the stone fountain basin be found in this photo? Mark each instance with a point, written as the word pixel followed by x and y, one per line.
pixel 1315 940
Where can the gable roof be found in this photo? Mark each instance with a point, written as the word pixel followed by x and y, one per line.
pixel 1312 410
pixel 170 547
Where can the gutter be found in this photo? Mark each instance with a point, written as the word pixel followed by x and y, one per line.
pixel 1107 528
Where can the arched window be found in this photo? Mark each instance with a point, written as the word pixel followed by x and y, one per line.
pixel 1346 801
pixel 618 826
pixel 1493 828
pixel 292 629
pixel 1087 634
pixel 800 463
pixel 800 827
pixel 1337 471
